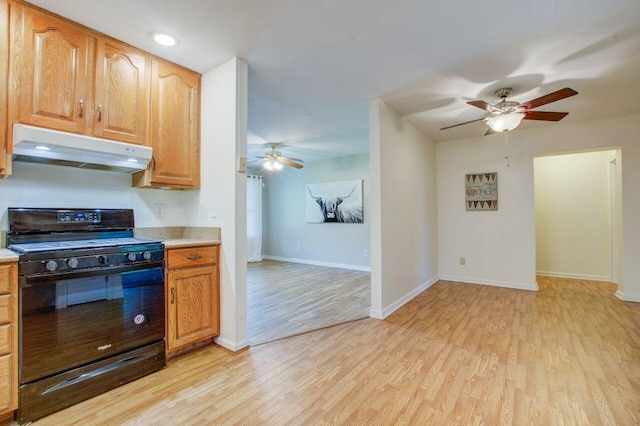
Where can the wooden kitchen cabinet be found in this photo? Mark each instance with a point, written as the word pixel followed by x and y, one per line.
pixel 174 129
pixel 53 71
pixel 4 81
pixel 67 77
pixel 8 338
pixel 122 93
pixel 192 295
pixel 73 80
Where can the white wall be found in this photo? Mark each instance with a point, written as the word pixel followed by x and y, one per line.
pixel 572 202
pixel 41 185
pixel 286 235
pixel 404 228
pixel 223 140
pixel 500 246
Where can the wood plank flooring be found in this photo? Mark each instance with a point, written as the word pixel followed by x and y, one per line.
pixel 457 354
pixel 285 299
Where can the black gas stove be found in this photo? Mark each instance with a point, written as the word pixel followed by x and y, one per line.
pixel 91 304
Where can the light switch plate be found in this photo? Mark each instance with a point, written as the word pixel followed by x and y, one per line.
pixel 242 164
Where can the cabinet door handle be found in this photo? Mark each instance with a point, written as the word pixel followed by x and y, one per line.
pixel 99 113
pixel 173 295
pixel 194 256
pixel 153 165
pixel 81 114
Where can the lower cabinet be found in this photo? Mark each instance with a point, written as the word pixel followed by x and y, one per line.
pixel 8 338
pixel 192 295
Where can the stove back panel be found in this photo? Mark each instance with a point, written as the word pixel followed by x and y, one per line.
pixel 49 220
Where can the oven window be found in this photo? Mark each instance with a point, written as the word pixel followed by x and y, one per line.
pixel 69 323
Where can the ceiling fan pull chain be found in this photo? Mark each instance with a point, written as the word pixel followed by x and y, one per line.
pixel 506 147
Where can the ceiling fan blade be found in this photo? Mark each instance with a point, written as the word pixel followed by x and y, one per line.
pixel 544 115
pixel 291 163
pixel 294 159
pixel 258 159
pixel 483 105
pixel 551 97
pixel 461 124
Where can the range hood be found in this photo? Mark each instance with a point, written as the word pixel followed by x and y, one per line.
pixel 38 145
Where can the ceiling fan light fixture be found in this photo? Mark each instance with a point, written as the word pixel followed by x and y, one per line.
pixel 272 165
pixel 505 123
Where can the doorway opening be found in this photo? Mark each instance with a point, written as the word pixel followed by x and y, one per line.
pixel 309 275
pixel 577 213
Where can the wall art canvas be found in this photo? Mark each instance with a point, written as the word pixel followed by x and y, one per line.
pixel 339 202
pixel 481 191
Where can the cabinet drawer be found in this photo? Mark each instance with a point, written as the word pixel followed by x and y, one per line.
pixel 4 278
pixel 5 309
pixel 5 339
pixel 192 256
pixel 6 382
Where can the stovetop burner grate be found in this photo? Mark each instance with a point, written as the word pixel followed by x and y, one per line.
pixel 78 244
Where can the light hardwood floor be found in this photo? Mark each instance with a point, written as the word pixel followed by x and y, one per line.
pixel 568 354
pixel 285 299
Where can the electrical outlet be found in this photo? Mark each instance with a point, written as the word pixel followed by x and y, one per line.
pixel 158 210
pixel 297 247
pixel 213 210
pixel 366 253
pixel 463 261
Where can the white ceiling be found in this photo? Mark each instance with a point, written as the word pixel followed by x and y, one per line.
pixel 314 65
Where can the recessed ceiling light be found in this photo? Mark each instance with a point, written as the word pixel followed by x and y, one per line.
pixel 165 39
pixel 42 148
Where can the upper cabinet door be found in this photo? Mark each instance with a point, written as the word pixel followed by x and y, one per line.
pixel 54 82
pixel 4 73
pixel 121 109
pixel 175 126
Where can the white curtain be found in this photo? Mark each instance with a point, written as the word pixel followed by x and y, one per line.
pixel 254 218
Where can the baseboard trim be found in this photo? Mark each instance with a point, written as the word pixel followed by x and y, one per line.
pixel 384 313
pixel 574 276
pixel 467 280
pixel 317 263
pixel 231 345
pixel 624 298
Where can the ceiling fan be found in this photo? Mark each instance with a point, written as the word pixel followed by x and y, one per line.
pixel 507 115
pixel 273 159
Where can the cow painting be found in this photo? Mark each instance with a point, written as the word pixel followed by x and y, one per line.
pixel 335 202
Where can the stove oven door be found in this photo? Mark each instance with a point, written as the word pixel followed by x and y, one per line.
pixel 70 323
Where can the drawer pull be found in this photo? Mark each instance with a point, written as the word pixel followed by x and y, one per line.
pixel 173 295
pixel 194 256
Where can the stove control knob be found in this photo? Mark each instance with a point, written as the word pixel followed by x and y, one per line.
pixel 72 263
pixel 51 265
pixel 146 255
pixel 102 260
pixel 131 256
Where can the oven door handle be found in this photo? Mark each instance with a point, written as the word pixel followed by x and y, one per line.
pixel 35 279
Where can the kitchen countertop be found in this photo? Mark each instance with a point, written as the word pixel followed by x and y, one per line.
pixel 7 255
pixel 188 242
pixel 182 236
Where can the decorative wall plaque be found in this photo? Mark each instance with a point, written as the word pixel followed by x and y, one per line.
pixel 481 191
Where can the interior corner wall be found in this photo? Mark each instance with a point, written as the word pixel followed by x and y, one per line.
pixel 500 246
pixel 573 224
pixel 223 140
pixel 286 235
pixel 405 246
